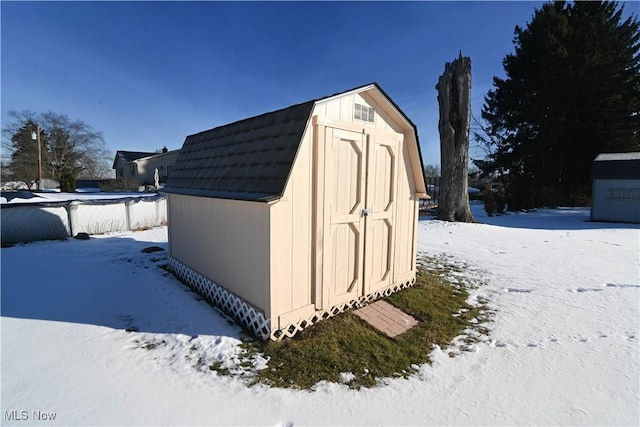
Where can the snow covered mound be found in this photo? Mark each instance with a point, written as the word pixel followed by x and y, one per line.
pixel 96 333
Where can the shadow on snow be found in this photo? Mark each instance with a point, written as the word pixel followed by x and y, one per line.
pixel 105 281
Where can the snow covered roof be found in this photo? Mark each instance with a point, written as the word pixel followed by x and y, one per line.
pixel 618 156
pixel 616 166
pixel 250 159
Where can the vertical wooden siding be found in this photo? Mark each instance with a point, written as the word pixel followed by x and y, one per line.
pixel 341 109
pixel 291 237
pixel 406 219
pixel 226 241
pixel 292 219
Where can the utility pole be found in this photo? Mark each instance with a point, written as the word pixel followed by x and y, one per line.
pixel 36 137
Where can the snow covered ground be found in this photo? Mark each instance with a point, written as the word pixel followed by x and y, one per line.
pixel 95 333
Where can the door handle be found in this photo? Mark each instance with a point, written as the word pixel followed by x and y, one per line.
pixel 366 212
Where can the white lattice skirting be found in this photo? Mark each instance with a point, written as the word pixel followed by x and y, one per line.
pixel 293 328
pixel 234 306
pixel 254 319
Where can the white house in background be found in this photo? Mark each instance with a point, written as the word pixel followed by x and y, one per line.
pixel 296 215
pixel 141 165
pixel 616 187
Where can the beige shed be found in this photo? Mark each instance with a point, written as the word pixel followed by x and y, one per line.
pixel 299 214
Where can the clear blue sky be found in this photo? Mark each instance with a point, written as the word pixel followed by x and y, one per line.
pixel 147 74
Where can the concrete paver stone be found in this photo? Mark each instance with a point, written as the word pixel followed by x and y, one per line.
pixel 386 318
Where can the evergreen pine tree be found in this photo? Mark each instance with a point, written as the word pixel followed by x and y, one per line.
pixel 572 90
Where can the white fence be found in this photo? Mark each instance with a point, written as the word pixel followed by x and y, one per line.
pixel 59 220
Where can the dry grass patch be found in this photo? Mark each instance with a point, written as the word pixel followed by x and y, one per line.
pixel 347 349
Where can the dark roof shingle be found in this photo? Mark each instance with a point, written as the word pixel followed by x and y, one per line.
pixel 250 159
pixel 246 160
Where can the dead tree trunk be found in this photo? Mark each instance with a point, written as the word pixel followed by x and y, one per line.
pixel 454 99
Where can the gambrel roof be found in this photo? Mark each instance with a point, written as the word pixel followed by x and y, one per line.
pixel 250 159
pixel 246 160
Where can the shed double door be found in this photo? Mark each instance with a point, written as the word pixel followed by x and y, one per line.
pixel 359 211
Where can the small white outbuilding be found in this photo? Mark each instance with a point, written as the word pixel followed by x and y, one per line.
pixel 616 187
pixel 296 215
